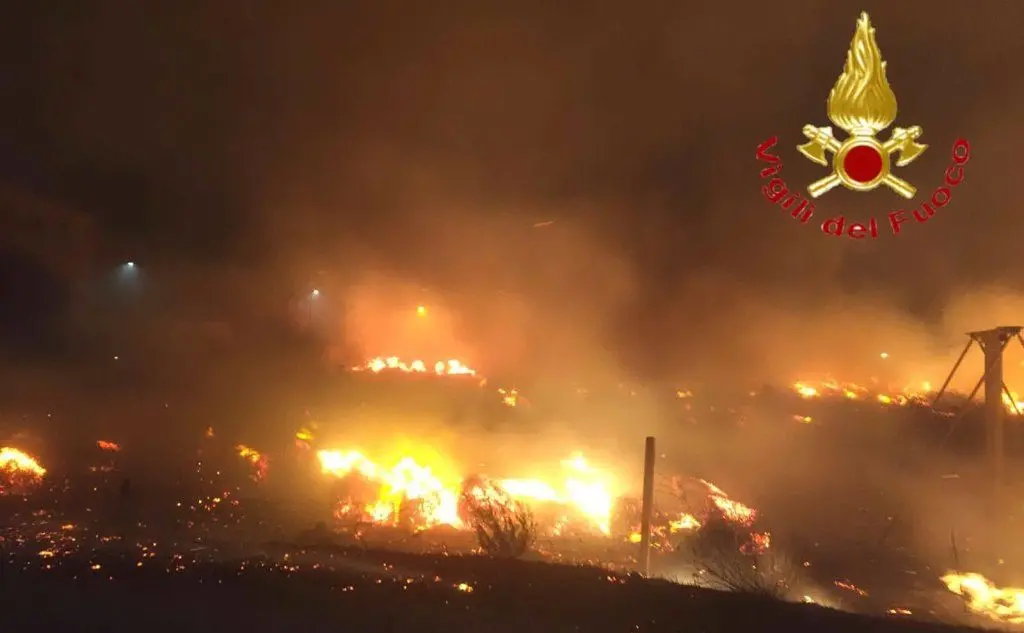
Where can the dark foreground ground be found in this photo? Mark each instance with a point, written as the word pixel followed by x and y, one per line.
pixel 356 591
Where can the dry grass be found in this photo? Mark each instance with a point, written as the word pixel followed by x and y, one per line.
pixel 505 528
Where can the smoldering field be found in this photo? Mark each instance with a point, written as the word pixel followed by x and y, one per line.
pixel 885 497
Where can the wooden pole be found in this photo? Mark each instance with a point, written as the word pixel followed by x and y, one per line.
pixel 992 343
pixel 647 510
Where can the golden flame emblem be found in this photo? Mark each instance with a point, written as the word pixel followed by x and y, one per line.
pixel 862 104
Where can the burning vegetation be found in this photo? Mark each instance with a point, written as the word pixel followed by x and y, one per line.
pixel 982 596
pixel 394 363
pixel 259 462
pixel 424 492
pixel 413 494
pixel 19 471
pixel 576 509
pixel 921 395
pixel 504 526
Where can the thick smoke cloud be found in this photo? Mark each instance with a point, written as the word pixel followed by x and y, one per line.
pixel 571 191
pixel 395 147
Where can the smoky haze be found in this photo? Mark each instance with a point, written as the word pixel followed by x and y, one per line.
pixel 569 188
pixel 421 147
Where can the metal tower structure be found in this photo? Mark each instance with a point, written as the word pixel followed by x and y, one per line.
pixel 992 343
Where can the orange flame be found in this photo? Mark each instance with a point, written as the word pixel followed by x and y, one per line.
pixel 982 596
pixel 394 363
pixel 254 457
pixel 583 490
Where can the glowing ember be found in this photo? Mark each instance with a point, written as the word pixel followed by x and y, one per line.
pixel 732 509
pixel 1005 604
pixel 849 586
pixel 509 397
pixel 394 363
pixel 110 447
pixel 304 436
pixel 759 542
pixel 684 522
pixel 910 394
pixel 259 462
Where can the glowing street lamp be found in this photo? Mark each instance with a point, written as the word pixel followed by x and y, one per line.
pixel 127 273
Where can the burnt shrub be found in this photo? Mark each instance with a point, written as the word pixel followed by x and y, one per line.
pixel 729 555
pixel 504 527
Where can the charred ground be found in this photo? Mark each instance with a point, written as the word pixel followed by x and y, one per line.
pixel 382 591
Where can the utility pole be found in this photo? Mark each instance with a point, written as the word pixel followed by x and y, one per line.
pixel 647 508
pixel 993 343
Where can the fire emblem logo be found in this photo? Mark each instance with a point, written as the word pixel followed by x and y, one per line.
pixel 862 104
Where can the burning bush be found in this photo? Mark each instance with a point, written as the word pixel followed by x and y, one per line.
pixel 257 461
pixel 505 527
pixel 729 556
pixel 984 597
pixel 18 471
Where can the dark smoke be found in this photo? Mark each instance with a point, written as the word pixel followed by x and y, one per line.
pixel 570 188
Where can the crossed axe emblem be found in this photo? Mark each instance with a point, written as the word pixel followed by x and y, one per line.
pixel 861 162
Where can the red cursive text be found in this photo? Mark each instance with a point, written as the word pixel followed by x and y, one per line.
pixel 776 190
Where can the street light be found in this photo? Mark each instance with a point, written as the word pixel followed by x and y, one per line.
pixel 127 273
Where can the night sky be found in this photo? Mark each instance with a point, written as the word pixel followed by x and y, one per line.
pixel 425 140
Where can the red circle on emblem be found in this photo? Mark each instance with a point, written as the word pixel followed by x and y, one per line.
pixel 862 163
